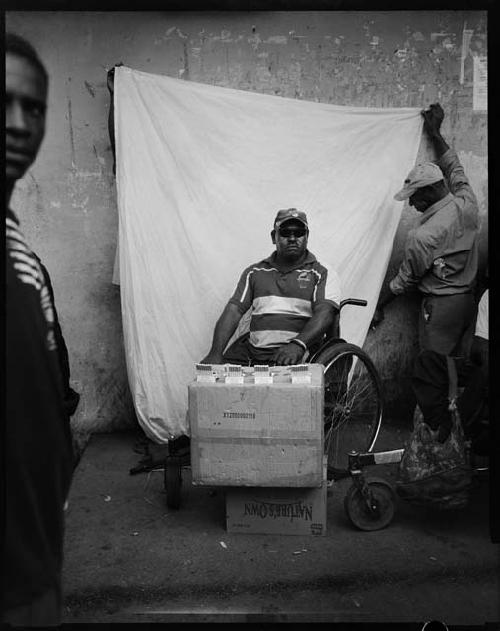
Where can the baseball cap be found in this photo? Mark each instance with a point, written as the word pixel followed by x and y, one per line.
pixel 290 213
pixel 421 175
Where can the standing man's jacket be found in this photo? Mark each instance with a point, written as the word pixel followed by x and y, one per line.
pixel 71 398
pixel 441 253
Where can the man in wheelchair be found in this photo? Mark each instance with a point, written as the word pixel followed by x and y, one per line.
pixel 294 302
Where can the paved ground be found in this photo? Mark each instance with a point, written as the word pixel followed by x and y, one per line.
pixel 131 559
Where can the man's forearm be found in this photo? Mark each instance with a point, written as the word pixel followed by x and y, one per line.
pixel 439 143
pixel 457 182
pixel 224 328
pixel 386 296
pixel 319 324
pixel 433 117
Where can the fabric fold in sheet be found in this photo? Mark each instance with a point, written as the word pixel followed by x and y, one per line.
pixel 201 173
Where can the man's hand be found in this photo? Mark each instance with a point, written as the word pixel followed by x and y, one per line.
pixel 433 117
pixel 378 316
pixel 479 353
pixel 288 355
pixel 213 358
pixel 111 76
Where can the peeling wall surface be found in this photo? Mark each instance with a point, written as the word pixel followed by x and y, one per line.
pixel 67 201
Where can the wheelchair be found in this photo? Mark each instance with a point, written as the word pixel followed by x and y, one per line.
pixel 353 406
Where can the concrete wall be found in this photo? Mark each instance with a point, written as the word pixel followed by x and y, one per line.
pixel 67 202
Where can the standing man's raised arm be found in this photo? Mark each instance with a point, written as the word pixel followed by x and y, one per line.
pixel 447 159
pixel 433 117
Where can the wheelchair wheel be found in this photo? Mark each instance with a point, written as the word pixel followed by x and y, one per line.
pixel 353 403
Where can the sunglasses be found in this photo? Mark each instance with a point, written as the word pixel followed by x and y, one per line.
pixel 292 232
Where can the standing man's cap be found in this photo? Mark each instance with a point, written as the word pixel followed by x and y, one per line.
pixel 421 175
pixel 290 213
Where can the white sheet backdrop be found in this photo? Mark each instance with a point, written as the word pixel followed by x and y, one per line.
pixel 201 172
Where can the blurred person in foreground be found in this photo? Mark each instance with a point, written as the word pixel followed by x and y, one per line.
pixel 37 445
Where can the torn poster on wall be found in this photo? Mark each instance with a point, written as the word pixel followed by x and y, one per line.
pixel 201 173
pixel 480 83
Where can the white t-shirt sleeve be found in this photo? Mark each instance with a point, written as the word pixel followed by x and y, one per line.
pixel 333 289
pixel 482 317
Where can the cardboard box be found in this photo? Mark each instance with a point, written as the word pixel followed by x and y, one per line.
pixel 284 511
pixel 258 434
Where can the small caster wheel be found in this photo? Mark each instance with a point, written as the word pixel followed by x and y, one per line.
pixel 382 510
pixel 173 481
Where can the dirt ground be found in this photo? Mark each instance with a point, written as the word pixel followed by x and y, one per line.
pixel 129 558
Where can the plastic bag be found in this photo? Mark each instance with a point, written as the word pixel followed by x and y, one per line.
pixel 434 473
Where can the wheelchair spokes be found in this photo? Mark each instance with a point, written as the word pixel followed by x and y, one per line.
pixel 353 403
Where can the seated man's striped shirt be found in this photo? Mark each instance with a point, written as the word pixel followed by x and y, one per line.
pixel 282 302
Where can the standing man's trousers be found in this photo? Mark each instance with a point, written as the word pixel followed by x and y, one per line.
pixel 444 321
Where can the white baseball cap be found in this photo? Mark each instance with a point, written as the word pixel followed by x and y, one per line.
pixel 421 175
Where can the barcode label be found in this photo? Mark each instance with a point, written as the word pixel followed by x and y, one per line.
pixel 300 373
pixel 205 372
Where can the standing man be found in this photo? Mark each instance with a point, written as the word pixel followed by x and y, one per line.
pixel 37 444
pixel 441 253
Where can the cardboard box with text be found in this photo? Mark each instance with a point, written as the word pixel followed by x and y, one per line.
pixel 258 434
pixel 284 511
